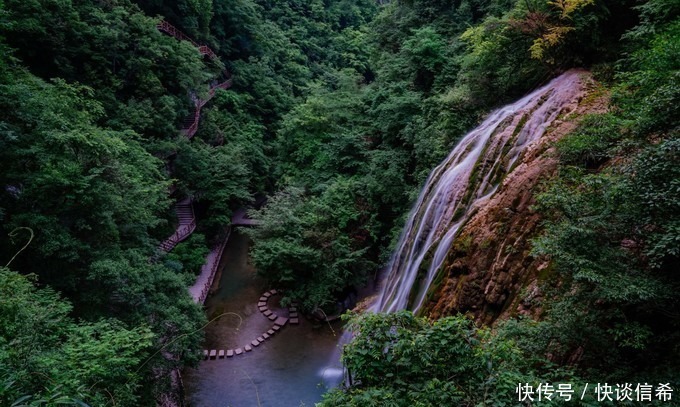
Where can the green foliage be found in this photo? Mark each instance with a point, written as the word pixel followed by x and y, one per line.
pixel 603 225
pixel 614 234
pixel 343 106
pixel 320 138
pixel 45 355
pixel 192 16
pixel 81 187
pixel 93 196
pixel 496 62
pixel 312 246
pixel 655 185
pixel 589 146
pixel 648 89
pixel 217 175
pixel 190 254
pixel 139 76
pixel 401 360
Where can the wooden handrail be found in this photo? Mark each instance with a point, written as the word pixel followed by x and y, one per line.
pixel 164 26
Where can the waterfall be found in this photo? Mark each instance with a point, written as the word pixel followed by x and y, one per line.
pixel 465 180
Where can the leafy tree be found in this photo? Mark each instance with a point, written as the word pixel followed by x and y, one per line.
pixel 401 360
pixel 190 254
pixel 42 350
pixel 312 246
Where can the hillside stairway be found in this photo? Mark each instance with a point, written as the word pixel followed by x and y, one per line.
pixel 190 124
pixel 186 226
pixel 167 28
pixel 184 208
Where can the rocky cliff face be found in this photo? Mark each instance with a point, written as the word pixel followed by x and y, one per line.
pixel 489 271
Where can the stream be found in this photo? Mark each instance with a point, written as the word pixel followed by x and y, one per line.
pixel 292 368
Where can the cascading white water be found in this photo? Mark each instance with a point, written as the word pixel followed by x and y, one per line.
pixel 464 180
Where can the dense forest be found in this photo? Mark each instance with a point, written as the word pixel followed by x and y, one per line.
pixel 338 111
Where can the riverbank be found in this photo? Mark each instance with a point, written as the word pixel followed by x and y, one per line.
pixel 286 370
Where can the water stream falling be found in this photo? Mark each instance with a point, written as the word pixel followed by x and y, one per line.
pixel 464 180
pixel 294 367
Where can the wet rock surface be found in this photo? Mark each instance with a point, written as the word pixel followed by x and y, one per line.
pixel 489 271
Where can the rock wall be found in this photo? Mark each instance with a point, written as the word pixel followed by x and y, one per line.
pixel 489 271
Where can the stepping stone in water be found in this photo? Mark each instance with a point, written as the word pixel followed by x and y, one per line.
pixel 271 332
pixel 267 294
pixel 293 315
pixel 294 321
pixel 213 354
pixel 267 313
pixel 238 351
pixel 281 321
pixel 260 339
pixel 276 327
pixel 265 335
pixel 247 348
pixel 230 353
pixel 205 354
pixel 263 299
pixel 263 308
pixel 272 317
pixel 220 354
pixel 255 343
pixel 262 304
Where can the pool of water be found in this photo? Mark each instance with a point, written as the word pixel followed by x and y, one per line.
pixel 293 368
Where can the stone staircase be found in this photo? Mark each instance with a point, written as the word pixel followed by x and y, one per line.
pixel 186 226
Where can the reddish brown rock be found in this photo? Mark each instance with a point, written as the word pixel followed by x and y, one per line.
pixel 489 272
